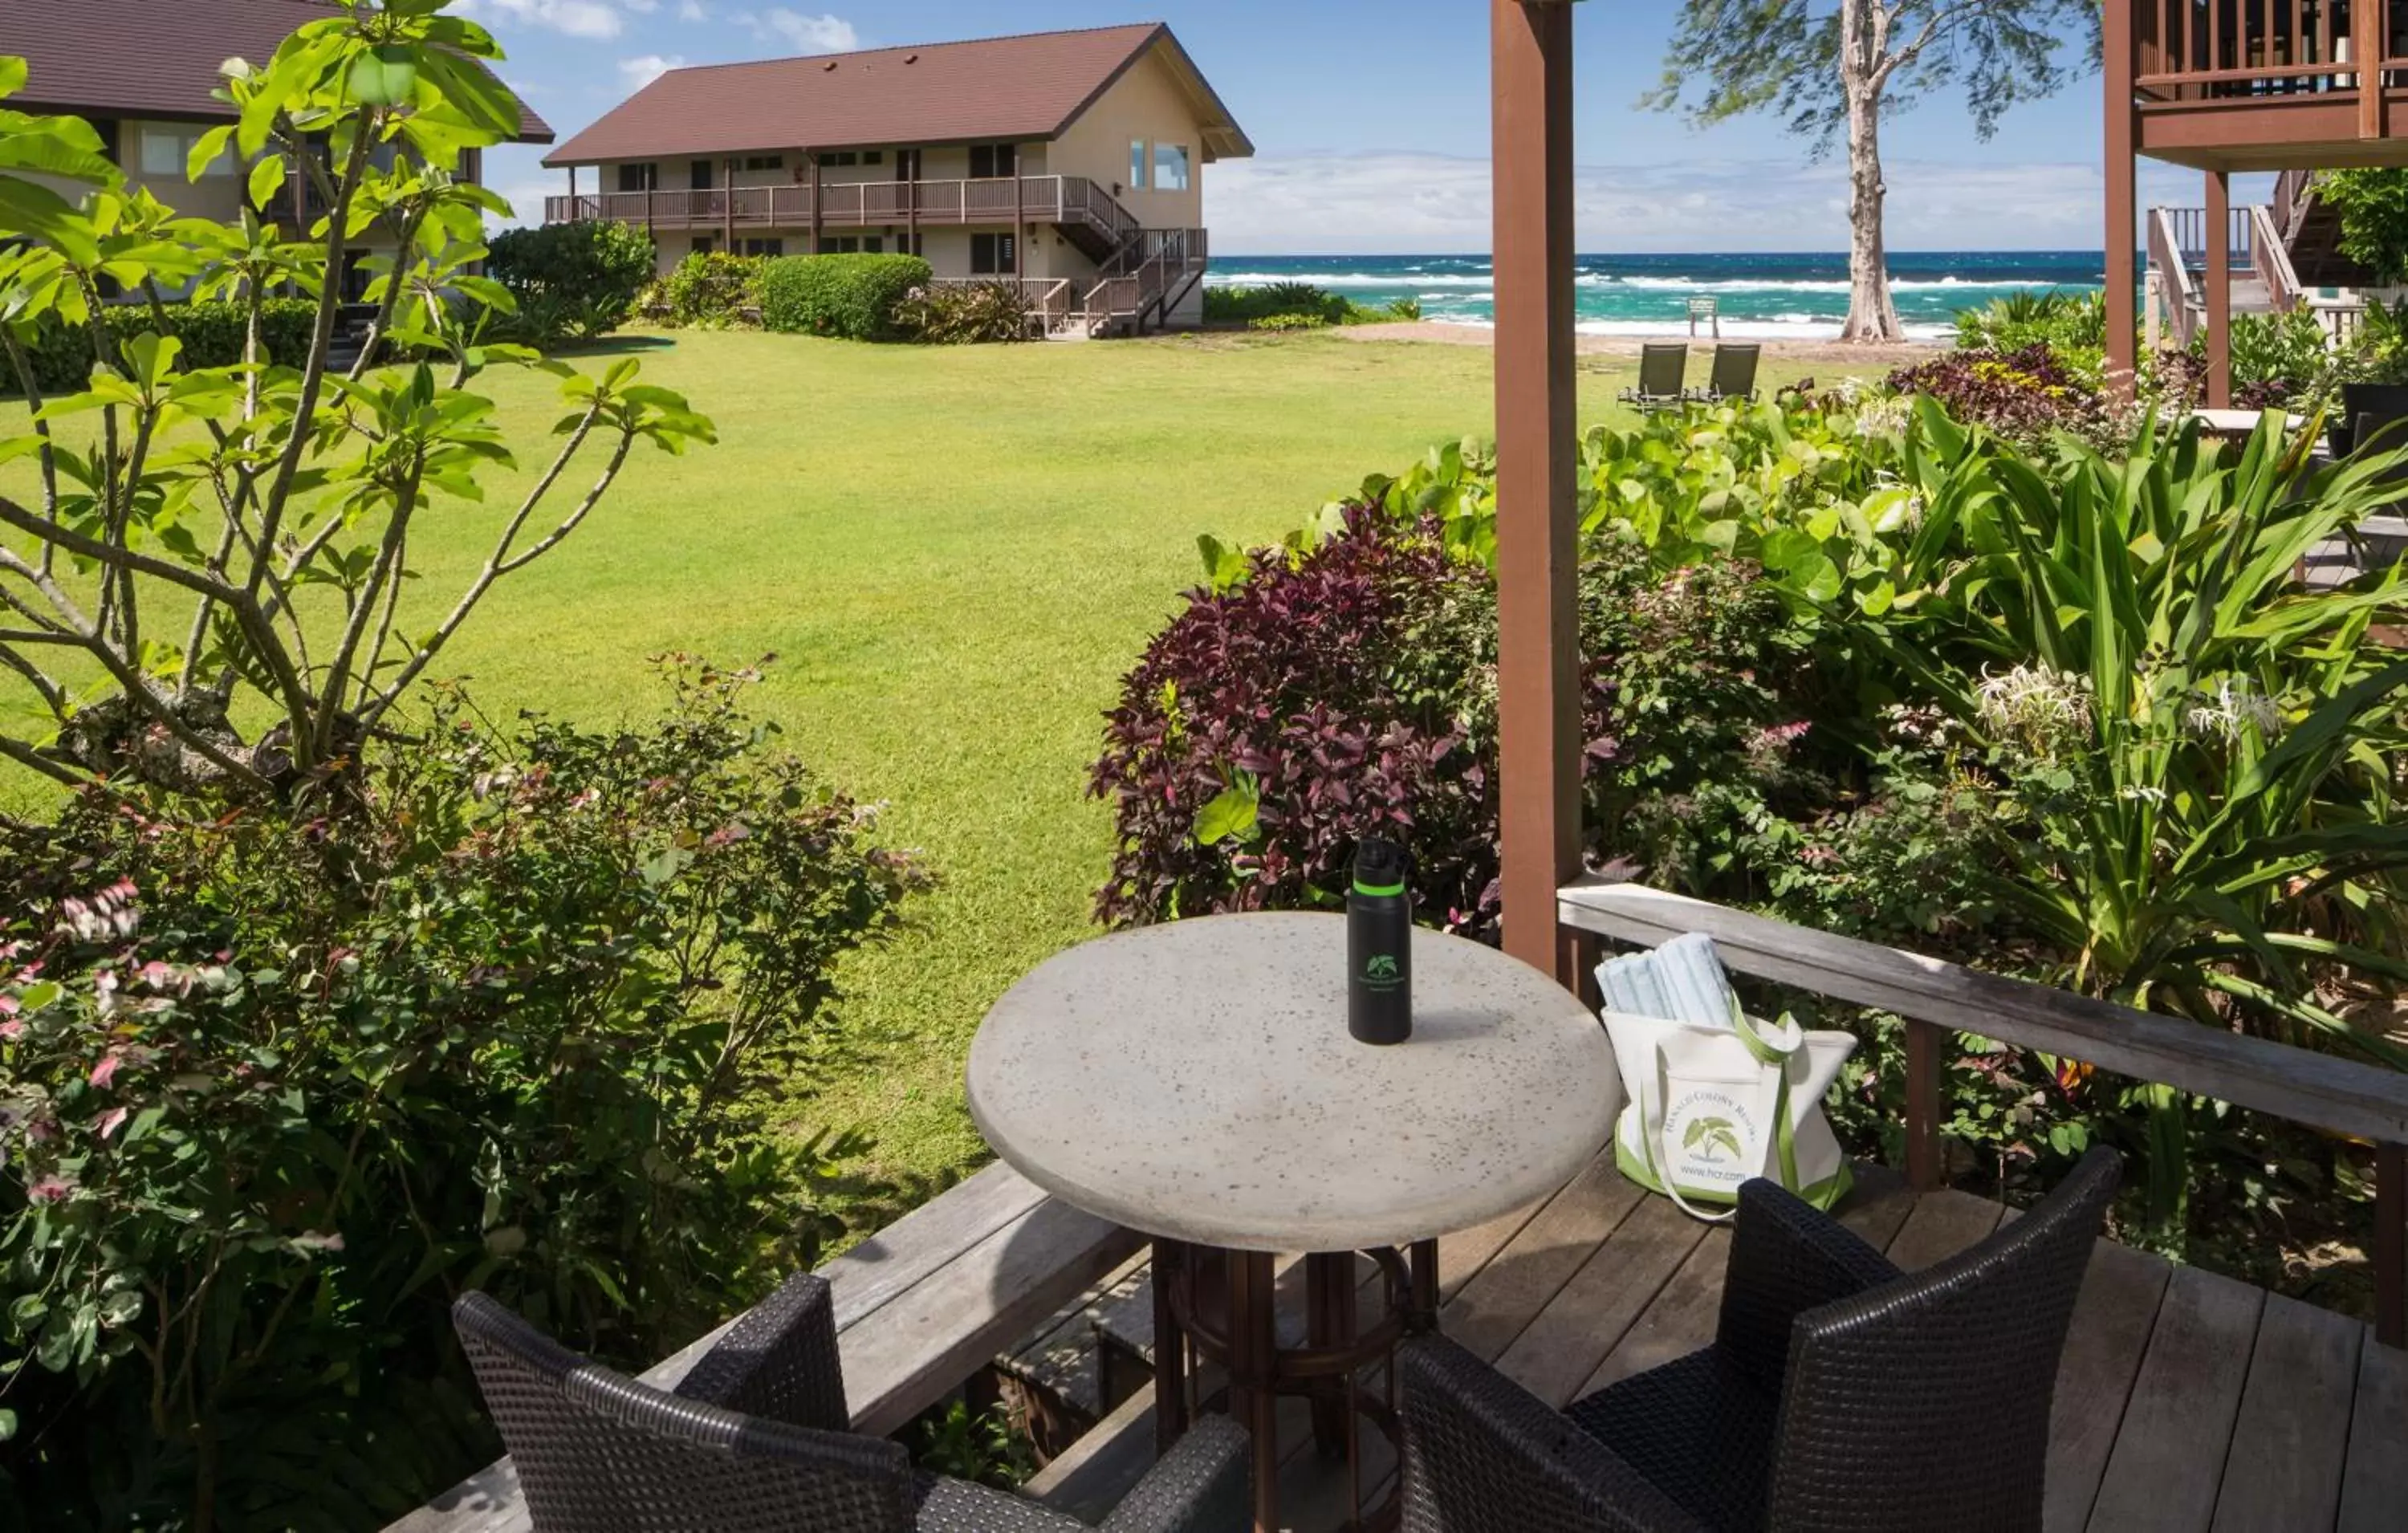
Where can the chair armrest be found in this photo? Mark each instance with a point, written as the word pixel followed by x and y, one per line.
pixel 780 1361
pixel 1200 1486
pixel 1484 1456
pixel 1786 1258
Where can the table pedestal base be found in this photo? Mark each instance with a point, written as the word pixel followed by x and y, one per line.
pixel 1218 1307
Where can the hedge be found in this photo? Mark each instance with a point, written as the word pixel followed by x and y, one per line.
pixel 851 298
pixel 213 332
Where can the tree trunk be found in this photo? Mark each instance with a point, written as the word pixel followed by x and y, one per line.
pixel 1872 317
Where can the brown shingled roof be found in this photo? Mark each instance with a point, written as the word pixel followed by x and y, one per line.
pixel 146 58
pixel 1016 89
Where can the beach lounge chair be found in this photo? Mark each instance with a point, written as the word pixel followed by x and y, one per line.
pixel 1663 371
pixel 1733 376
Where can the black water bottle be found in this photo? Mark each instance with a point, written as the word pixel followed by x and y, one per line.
pixel 1380 946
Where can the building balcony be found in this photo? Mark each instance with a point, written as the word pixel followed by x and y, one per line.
pixel 2242 85
pixel 1083 209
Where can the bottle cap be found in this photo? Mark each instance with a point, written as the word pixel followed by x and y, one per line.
pixel 1379 868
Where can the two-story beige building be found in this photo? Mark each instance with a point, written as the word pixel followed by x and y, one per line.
pixel 1071 162
pixel 144 74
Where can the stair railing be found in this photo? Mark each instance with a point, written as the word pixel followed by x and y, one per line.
pixel 2167 256
pixel 2269 257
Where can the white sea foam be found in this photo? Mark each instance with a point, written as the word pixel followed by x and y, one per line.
pixel 1348 279
pixel 1784 327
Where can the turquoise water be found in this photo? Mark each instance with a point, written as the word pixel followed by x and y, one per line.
pixel 1771 297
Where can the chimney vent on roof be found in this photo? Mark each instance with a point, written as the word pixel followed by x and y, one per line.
pixel 913 58
pixel 829 66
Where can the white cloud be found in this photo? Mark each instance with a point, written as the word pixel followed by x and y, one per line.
pixel 640 72
pixel 692 10
pixel 1385 203
pixel 825 33
pixel 576 17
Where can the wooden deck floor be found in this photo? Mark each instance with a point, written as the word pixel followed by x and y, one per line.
pixel 2187 1400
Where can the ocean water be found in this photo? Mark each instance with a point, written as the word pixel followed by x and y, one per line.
pixel 1767 297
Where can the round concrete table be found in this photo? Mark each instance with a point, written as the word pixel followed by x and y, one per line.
pixel 1196 1081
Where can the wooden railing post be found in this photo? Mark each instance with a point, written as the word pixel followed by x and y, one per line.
pixel 2367 45
pixel 1924 1169
pixel 2391 1244
pixel 2122 174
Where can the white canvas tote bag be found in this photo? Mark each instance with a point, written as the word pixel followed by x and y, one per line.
pixel 1715 1097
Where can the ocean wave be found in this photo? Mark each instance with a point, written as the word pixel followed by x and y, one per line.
pixel 1741 284
pixel 1349 278
pixel 1790 327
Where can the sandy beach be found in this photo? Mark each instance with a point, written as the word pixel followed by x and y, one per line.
pixel 1820 352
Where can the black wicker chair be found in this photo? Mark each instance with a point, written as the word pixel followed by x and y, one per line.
pixel 1840 1394
pixel 756 1441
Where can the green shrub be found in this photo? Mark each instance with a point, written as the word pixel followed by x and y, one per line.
pixel 848 297
pixel 952 315
pixel 1313 307
pixel 2072 326
pixel 276 1087
pixel 710 290
pixel 573 282
pixel 212 334
pixel 2374 207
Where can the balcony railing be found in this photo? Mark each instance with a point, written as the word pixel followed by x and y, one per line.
pixel 2205 51
pixel 1041 199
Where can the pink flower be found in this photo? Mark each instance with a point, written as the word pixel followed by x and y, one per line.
pixel 105 1071
pixel 12 1030
pixel 112 1121
pixel 49 1189
pixel 9 1007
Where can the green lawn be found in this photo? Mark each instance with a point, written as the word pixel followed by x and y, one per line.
pixel 954 554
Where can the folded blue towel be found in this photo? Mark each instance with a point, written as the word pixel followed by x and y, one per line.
pixel 1682 980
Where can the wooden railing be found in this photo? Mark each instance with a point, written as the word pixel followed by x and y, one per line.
pixel 1937 1000
pixel 2270 258
pixel 2172 267
pixel 1152 269
pixel 1047 199
pixel 2223 50
pixel 1047 299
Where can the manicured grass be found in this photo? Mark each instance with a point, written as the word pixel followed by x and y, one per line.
pixel 956 554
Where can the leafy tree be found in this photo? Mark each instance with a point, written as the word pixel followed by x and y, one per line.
pixel 1832 66
pixel 215 546
pixel 2374 207
pixel 573 282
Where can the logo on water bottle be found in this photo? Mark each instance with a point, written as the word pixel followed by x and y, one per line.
pixel 1382 970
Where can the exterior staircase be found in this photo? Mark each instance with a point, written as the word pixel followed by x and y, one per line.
pixel 2280 253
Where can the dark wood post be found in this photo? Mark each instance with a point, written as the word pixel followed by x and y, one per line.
pixel 1538 451
pixel 573 208
pixel 2123 171
pixel 2219 289
pixel 812 158
pixel 1925 1171
pixel 2367 45
pixel 2391 1245
pixel 728 202
pixel 1019 223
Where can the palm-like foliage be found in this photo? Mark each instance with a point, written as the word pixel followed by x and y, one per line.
pixel 2200 743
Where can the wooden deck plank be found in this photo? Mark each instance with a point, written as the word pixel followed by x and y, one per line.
pixel 1464 1257
pixel 2374 1481
pixel 2292 1434
pixel 1943 1223
pixel 942 1330
pixel 2109 1335
pixel 1556 1352
pixel 2168 1457
pixel 1494 1307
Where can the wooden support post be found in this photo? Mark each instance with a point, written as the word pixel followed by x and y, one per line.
pixel 1925 1171
pixel 1254 1371
pixel 2219 289
pixel 818 219
pixel 1169 1349
pixel 2123 171
pixel 1019 221
pixel 728 202
pixel 2368 43
pixel 2391 1244
pixel 1538 451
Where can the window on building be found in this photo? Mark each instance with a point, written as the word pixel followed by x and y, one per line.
pixel 702 173
pixel 765 162
pixel 1136 165
pixel 992 162
pixel 765 247
pixel 994 255
pixel 873 156
pixel 1170 167
pixel 841 157
pixel 166 151
pixel 702 244
pixel 643 177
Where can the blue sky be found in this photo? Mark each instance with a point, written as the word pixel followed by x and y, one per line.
pixel 1371 118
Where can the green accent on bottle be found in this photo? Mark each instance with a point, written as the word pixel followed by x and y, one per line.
pixel 1377 890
